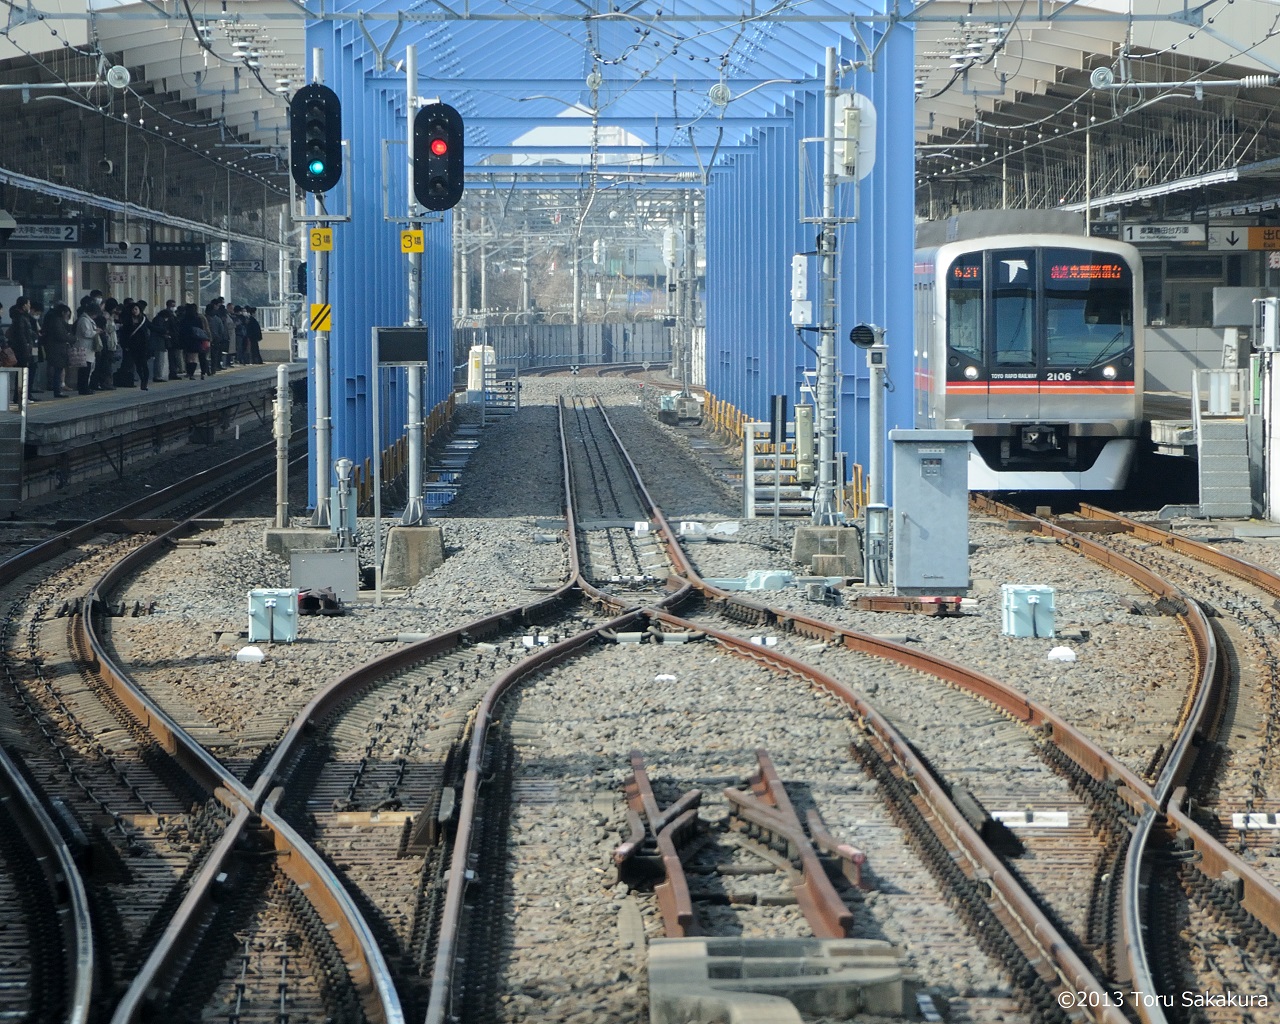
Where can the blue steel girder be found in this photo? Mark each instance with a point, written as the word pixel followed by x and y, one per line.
pixel 647 64
pixel 367 271
pixel 752 351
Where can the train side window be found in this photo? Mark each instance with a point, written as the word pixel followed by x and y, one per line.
pixel 1013 307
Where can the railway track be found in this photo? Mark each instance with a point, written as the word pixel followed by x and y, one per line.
pixel 1042 967
pixel 1209 915
pixel 159 831
pixel 375 792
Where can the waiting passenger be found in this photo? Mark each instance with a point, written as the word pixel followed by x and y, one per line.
pixel 135 335
pixel 58 341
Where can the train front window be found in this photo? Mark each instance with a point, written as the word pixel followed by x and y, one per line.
pixel 1088 307
pixel 1013 293
pixel 964 305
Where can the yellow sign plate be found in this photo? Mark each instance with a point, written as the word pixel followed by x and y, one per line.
pixel 412 241
pixel 320 318
pixel 1266 239
pixel 322 239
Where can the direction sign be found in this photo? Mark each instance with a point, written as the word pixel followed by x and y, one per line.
pixel 1237 238
pixel 251 266
pixel 178 254
pixel 131 252
pixel 1175 232
pixel 1228 237
pixel 54 232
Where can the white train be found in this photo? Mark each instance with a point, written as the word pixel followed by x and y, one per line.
pixel 1033 342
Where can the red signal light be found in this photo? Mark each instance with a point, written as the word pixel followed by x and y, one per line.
pixel 439 147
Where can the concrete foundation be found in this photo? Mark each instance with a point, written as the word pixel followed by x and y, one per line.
pixel 771 981
pixel 839 546
pixel 412 553
pixel 285 541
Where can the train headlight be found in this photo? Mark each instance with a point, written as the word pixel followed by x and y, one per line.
pixel 970 373
pixel 1109 372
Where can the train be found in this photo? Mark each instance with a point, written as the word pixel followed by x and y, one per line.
pixel 1034 342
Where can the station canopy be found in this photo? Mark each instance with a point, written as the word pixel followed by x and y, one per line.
pixel 1153 105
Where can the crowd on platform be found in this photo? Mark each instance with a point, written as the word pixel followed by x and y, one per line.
pixel 107 344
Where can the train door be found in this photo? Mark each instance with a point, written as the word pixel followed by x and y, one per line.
pixel 1012 358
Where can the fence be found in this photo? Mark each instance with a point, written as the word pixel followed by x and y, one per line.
pixel 530 346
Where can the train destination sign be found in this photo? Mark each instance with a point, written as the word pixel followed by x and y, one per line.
pixel 1086 272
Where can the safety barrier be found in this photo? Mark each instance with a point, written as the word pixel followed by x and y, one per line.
pixel 395 457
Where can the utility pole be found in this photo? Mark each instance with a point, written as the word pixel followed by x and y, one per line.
pixel 324 422
pixel 824 497
pixel 414 513
pixel 686 305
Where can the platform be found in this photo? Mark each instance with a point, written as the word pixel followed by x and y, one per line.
pixel 82 437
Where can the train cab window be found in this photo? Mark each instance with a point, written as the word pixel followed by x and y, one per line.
pixel 964 305
pixel 1013 293
pixel 1088 301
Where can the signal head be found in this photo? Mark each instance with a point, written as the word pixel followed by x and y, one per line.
pixel 438 166
pixel 315 127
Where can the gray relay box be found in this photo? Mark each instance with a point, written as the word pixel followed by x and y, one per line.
pixel 931 511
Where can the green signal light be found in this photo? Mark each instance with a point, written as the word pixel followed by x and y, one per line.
pixel 316 167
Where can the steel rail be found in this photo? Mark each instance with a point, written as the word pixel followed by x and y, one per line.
pixel 68 897
pixel 438 1006
pixel 676 581
pixel 364 960
pixel 1203 697
pixel 156 978
pixel 1201 707
pixel 364 677
pixel 1039 933
pixel 1257 896
pixel 27 805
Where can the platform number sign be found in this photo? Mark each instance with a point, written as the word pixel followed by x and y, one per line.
pixel 412 240
pixel 322 239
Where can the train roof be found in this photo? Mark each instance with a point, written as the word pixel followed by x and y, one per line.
pixel 984 223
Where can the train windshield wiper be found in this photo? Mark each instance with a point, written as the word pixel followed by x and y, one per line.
pixel 1102 353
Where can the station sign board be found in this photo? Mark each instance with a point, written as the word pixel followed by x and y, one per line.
pixel 1238 238
pixel 249 266
pixel 63 233
pixel 155 254
pixel 1140 234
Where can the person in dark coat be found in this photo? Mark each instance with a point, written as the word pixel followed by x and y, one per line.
pixel 193 333
pixel 24 339
pixel 57 340
pixel 164 329
pixel 135 340
pixel 252 333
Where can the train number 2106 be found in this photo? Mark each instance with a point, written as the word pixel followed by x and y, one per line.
pixel 1062 375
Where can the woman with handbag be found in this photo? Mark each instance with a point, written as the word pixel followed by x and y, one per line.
pixel 86 344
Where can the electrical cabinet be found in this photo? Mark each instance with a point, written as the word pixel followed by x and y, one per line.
pixel 930 511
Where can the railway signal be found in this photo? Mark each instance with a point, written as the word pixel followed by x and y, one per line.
pixel 438 170
pixel 315 128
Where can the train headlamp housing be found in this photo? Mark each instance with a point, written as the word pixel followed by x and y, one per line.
pixel 970 373
pixel 1109 372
